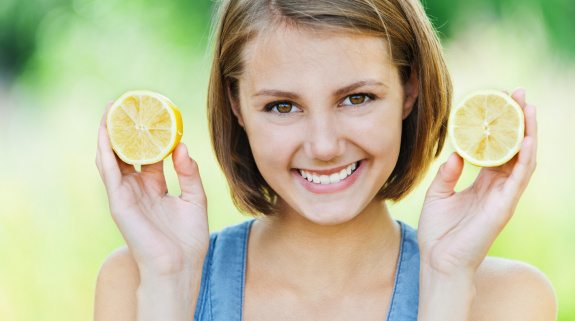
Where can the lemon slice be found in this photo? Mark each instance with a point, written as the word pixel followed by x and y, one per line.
pixel 144 127
pixel 487 128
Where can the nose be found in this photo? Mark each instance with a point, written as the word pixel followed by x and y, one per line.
pixel 325 139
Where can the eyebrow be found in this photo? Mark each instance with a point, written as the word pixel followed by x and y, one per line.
pixel 339 92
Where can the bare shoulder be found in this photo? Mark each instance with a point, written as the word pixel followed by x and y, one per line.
pixel 512 290
pixel 116 286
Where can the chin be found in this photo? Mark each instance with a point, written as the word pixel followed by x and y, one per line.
pixel 329 214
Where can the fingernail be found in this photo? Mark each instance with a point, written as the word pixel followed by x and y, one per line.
pixel 520 90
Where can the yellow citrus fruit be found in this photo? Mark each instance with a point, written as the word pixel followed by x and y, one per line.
pixel 487 128
pixel 144 127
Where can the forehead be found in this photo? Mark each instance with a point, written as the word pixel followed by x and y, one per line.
pixel 306 56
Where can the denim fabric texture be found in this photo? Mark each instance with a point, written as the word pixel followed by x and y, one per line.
pixel 222 289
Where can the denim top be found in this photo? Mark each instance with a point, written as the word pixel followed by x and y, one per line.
pixel 222 288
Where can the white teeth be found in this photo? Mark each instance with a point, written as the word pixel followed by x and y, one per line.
pixel 342 174
pixel 334 178
pixel 328 179
pixel 315 179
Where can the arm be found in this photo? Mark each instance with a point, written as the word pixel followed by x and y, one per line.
pixel 501 290
pixel 116 287
pixel 457 229
pixel 120 294
pixel 167 236
pixel 445 297
pixel 511 290
pixel 169 297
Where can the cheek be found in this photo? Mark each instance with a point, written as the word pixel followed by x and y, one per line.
pixel 271 148
pixel 380 135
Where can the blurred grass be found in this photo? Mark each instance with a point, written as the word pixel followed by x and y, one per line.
pixel 55 228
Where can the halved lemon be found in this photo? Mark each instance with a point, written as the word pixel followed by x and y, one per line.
pixel 487 128
pixel 144 127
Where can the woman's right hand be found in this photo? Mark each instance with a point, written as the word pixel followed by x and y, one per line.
pixel 167 235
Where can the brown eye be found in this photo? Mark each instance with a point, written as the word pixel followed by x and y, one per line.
pixel 357 99
pixel 284 108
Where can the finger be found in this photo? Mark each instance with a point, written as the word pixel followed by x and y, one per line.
pixel 125 168
pixel 519 96
pixel 108 166
pixel 522 166
pixel 505 92
pixel 102 123
pixel 522 172
pixel 447 176
pixel 525 161
pixel 105 117
pixel 98 153
pixel 531 133
pixel 530 113
pixel 188 176
pixel 527 158
pixel 98 161
pixel 156 168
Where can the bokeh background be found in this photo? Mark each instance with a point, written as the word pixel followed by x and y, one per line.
pixel 61 61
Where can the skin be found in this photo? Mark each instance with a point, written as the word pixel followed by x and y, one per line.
pixel 325 256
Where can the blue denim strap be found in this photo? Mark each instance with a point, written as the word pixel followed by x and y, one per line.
pixel 405 299
pixel 221 295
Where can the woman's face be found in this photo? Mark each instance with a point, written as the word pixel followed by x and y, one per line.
pixel 323 114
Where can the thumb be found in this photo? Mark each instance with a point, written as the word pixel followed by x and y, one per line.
pixel 188 176
pixel 446 178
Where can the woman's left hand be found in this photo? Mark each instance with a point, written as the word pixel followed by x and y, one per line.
pixel 457 229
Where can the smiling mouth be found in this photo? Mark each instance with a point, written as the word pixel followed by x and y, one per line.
pixel 331 178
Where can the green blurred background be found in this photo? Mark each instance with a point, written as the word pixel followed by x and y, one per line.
pixel 61 61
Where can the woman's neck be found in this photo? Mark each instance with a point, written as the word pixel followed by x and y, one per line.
pixel 304 254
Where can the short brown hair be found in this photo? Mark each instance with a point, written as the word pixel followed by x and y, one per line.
pixel 414 47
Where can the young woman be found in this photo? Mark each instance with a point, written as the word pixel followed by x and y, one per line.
pixel 320 111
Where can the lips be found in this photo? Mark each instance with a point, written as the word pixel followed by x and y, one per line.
pixel 332 176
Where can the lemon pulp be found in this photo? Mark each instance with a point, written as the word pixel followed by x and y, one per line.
pixel 144 127
pixel 487 128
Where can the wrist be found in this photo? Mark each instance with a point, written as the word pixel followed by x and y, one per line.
pixel 444 296
pixel 168 296
pixel 167 268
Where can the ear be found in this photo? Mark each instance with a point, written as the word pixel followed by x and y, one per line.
pixel 234 104
pixel 411 88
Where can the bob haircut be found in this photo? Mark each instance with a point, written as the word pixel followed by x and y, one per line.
pixel 414 48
